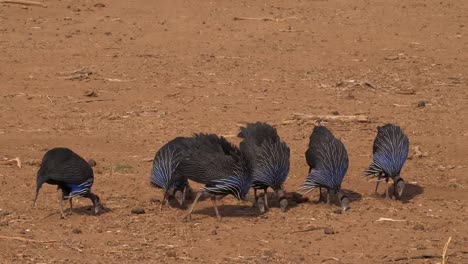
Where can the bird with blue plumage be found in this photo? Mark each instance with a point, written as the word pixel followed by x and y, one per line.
pixel 390 152
pixel 328 163
pixel 71 173
pixel 164 173
pixel 270 160
pixel 220 166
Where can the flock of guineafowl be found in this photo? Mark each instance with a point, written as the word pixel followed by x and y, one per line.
pixel 261 161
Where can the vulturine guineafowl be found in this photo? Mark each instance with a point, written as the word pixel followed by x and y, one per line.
pixel 328 164
pixel 270 159
pixel 71 173
pixel 220 166
pixel 164 173
pixel 390 150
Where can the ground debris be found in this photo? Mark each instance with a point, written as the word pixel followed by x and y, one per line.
pixel 23 2
pixel 330 118
pixel 78 75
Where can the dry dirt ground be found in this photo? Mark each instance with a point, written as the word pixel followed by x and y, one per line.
pixel 161 69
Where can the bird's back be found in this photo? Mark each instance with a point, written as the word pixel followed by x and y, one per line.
pixel 391 147
pixel 268 154
pixel 210 158
pixel 218 164
pixel 327 157
pixel 166 161
pixel 61 165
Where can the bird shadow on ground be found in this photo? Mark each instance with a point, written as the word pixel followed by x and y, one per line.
pixel 409 193
pixel 352 195
pixel 229 210
pixel 88 210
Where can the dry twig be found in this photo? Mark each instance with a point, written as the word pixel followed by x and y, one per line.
pixel 16 161
pixel 310 228
pixel 444 253
pixel 348 118
pixel 28 240
pixel 382 219
pixel 22 2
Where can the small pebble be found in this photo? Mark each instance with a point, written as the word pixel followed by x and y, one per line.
pixel 76 230
pixel 171 253
pixel 422 104
pixel 329 231
pixel 138 210
pixel 418 227
pixel 99 5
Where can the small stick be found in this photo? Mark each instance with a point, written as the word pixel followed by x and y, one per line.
pixel 331 258
pixel 423 256
pixel 22 2
pixel 28 240
pixel 255 18
pixel 97 100
pixel 444 253
pixel 357 118
pixel 381 219
pixel 48 97
pixel 312 228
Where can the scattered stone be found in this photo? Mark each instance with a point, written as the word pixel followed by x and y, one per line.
pixel 76 230
pixel 138 210
pixel 268 253
pixel 214 232
pixel 4 212
pixel 335 113
pixel 422 104
pixel 419 227
pixel 90 93
pixel 171 253
pixel 328 231
pixel 99 5
pixel 418 153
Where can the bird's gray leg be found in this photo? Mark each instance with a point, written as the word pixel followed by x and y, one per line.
pixel 328 197
pixel 213 200
pixel 266 199
pixel 386 190
pixel 70 201
pixel 255 197
pixel 60 199
pixel 320 197
pixel 163 200
pixel 377 185
pixel 188 215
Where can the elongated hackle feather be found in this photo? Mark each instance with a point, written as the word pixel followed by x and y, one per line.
pixel 328 160
pixel 390 151
pixel 268 154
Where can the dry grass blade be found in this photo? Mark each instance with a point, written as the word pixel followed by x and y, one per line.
pixel 21 2
pixel 444 253
pixel 28 240
pixel 382 219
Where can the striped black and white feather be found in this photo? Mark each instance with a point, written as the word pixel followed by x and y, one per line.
pixel 327 159
pixel 218 164
pixel 268 154
pixel 164 172
pixel 390 151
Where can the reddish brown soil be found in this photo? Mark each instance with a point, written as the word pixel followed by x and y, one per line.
pixel 167 68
